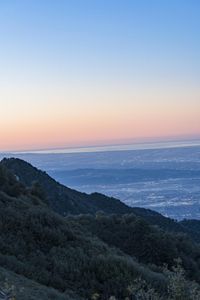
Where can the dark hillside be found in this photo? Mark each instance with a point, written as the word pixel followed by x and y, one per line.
pixel 149 244
pixel 63 199
pixel 45 247
pixel 84 256
pixel 68 201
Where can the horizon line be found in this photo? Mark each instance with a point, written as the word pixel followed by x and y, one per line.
pixel 137 145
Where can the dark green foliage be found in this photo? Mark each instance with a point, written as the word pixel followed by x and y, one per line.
pixel 178 288
pixel 147 243
pixel 193 228
pixel 39 244
pixel 22 288
pixel 67 201
pixel 37 191
pixel 9 184
pixel 86 255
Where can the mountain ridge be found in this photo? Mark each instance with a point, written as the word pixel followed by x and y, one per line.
pixel 65 200
pixel 95 255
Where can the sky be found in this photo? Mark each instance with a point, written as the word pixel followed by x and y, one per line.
pixel 96 72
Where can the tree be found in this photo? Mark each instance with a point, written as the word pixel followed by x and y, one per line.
pixel 38 191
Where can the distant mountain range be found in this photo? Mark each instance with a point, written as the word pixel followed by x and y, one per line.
pixel 58 243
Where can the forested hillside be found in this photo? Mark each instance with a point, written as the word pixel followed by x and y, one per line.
pixel 66 201
pixel 95 255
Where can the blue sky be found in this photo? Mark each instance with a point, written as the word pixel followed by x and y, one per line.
pixel 49 50
pixel 133 36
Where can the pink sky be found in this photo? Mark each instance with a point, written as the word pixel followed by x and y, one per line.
pixel 101 73
pixel 81 121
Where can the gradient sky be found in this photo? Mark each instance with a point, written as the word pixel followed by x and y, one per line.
pixel 92 72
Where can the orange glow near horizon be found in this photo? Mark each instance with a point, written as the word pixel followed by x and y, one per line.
pixel 94 118
pixel 75 74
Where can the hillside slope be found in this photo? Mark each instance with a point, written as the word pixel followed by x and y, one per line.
pixel 84 256
pixel 68 201
pixel 49 249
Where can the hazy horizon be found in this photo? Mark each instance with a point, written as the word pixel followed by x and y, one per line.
pixel 162 176
pixel 127 145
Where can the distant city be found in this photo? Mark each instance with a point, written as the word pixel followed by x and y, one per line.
pixel 162 176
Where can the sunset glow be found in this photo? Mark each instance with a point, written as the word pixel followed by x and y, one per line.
pixel 74 75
